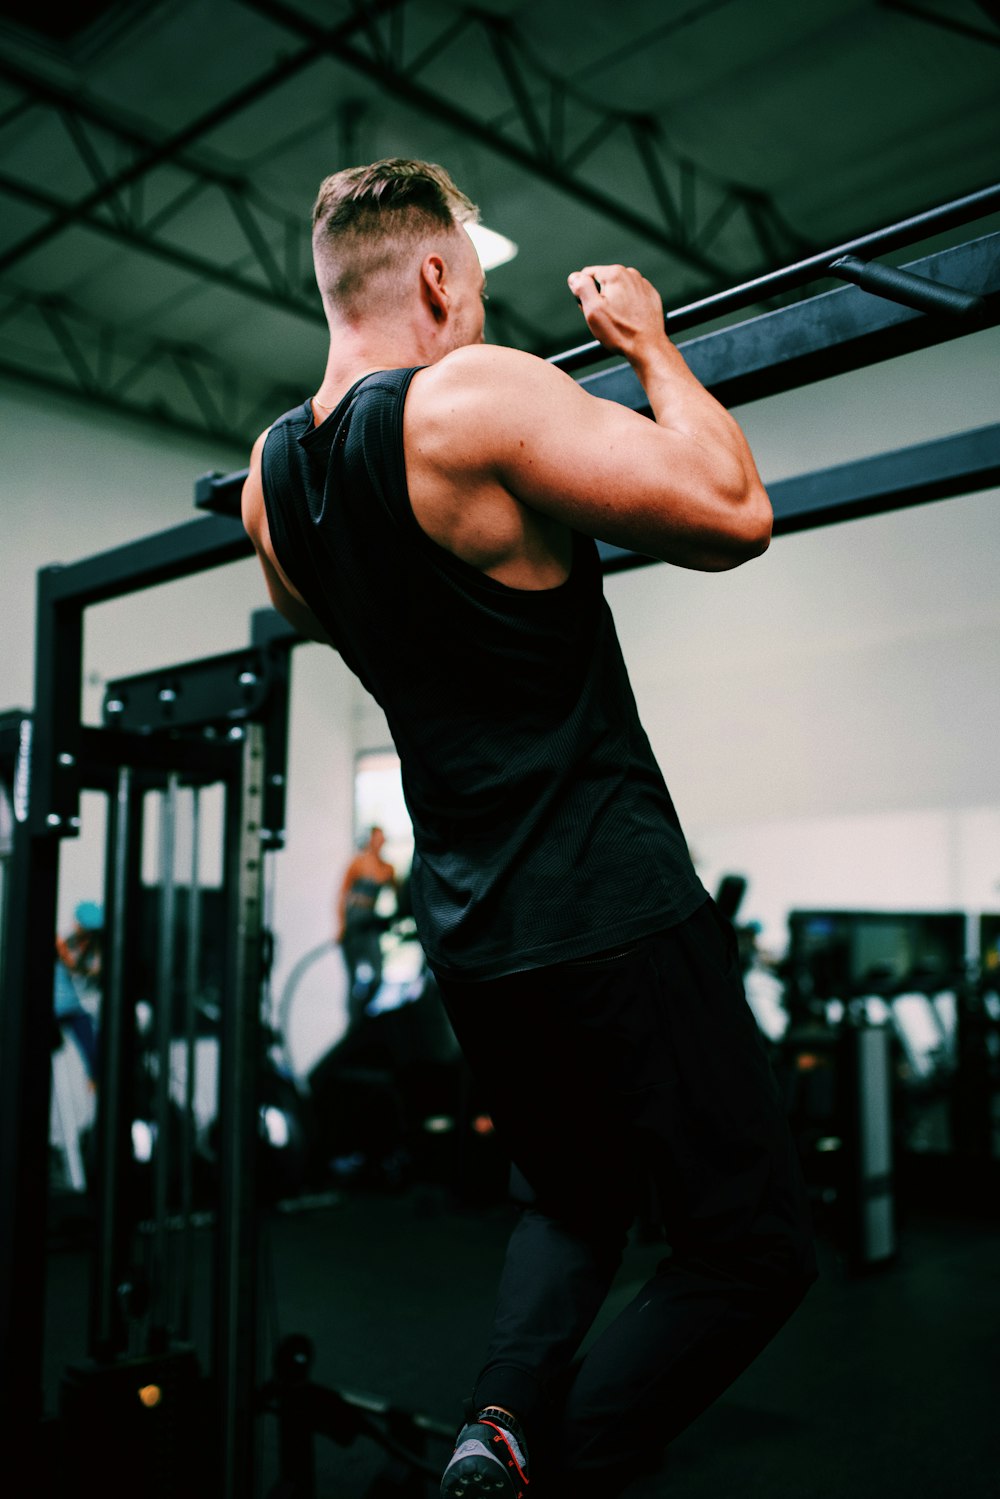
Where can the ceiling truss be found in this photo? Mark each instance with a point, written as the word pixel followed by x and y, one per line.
pixel 74 353
pixel 949 23
pixel 141 182
pixel 552 129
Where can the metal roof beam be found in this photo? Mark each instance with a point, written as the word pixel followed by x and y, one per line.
pixel 130 234
pixel 109 367
pixel 945 23
pixel 691 205
pixel 154 152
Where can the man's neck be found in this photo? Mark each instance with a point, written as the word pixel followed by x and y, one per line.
pixel 355 353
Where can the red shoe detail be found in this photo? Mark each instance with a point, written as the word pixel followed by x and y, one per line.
pixel 502 1437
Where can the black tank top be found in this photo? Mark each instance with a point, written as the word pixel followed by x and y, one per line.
pixel 543 829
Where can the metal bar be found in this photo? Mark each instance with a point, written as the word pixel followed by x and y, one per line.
pixel 25 1073
pixel 178 552
pixel 185 1266
pixel 235 1366
pixel 170 210
pixel 73 125
pixel 107 1331
pixel 826 335
pixel 105 750
pixel 107 400
pixel 218 690
pixel 499 35
pixel 164 1017
pixel 48 782
pixel 198 390
pixel 69 347
pixel 902 286
pixel 157 154
pixel 402 86
pixel 880 241
pixel 947 23
pixel 439 45
pixel 243 214
pixel 200 266
pixel 642 132
pixel 963 464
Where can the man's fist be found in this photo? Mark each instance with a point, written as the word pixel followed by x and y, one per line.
pixel 623 310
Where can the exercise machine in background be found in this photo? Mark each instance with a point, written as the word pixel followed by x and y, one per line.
pixel 891 1067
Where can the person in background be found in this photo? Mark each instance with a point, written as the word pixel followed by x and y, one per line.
pixel 359 929
pixel 78 967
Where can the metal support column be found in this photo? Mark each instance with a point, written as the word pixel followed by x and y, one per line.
pixel 870 1204
pixel 235 1363
pixel 47 808
pixel 112 1250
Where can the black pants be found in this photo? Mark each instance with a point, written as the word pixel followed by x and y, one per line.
pixel 606 1078
pixel 362 948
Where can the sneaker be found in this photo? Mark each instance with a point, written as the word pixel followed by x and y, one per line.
pixel 489 1459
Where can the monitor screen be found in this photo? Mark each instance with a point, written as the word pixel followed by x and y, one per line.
pixel 842 954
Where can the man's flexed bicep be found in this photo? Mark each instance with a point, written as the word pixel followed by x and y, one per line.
pixel 616 475
pixel 683 488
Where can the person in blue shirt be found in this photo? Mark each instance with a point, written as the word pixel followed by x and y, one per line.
pixel 78 966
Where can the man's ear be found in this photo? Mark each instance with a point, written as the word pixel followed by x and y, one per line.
pixel 432 280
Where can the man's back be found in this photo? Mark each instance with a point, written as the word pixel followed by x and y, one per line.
pixel 542 825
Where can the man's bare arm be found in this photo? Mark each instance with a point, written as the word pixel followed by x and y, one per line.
pixel 286 599
pixel 683 488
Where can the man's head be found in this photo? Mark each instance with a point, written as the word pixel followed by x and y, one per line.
pixel 388 238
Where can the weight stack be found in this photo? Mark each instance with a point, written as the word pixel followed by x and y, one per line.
pixel 135 1426
pixel 868 1187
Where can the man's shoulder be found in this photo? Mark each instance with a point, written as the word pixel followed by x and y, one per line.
pixel 477 390
pixel 479 367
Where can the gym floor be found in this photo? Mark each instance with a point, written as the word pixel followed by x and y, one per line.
pixel 881 1385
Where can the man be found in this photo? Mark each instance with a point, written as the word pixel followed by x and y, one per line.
pixel 430 513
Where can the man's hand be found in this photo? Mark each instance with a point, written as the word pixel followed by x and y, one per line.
pixel 624 311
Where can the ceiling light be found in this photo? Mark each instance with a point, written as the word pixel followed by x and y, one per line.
pixel 492 248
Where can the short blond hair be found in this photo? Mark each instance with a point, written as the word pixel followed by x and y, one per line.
pixel 369 221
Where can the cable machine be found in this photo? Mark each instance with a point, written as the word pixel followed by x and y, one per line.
pixel 167 736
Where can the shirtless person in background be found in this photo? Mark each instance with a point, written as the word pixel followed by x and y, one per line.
pixel 431 513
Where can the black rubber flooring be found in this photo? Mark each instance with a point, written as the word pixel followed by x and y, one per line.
pixel 881 1386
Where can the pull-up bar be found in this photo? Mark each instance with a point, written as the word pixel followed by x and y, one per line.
pixel 844 263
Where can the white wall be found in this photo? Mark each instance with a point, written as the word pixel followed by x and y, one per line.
pixel 828 716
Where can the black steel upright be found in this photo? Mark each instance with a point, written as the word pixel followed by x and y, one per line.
pixel 108 1328
pixel 50 808
pixel 235 1363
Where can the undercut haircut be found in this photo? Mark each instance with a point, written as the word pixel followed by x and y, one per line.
pixel 369 223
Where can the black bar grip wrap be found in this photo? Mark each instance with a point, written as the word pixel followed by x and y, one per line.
pixel 903 286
